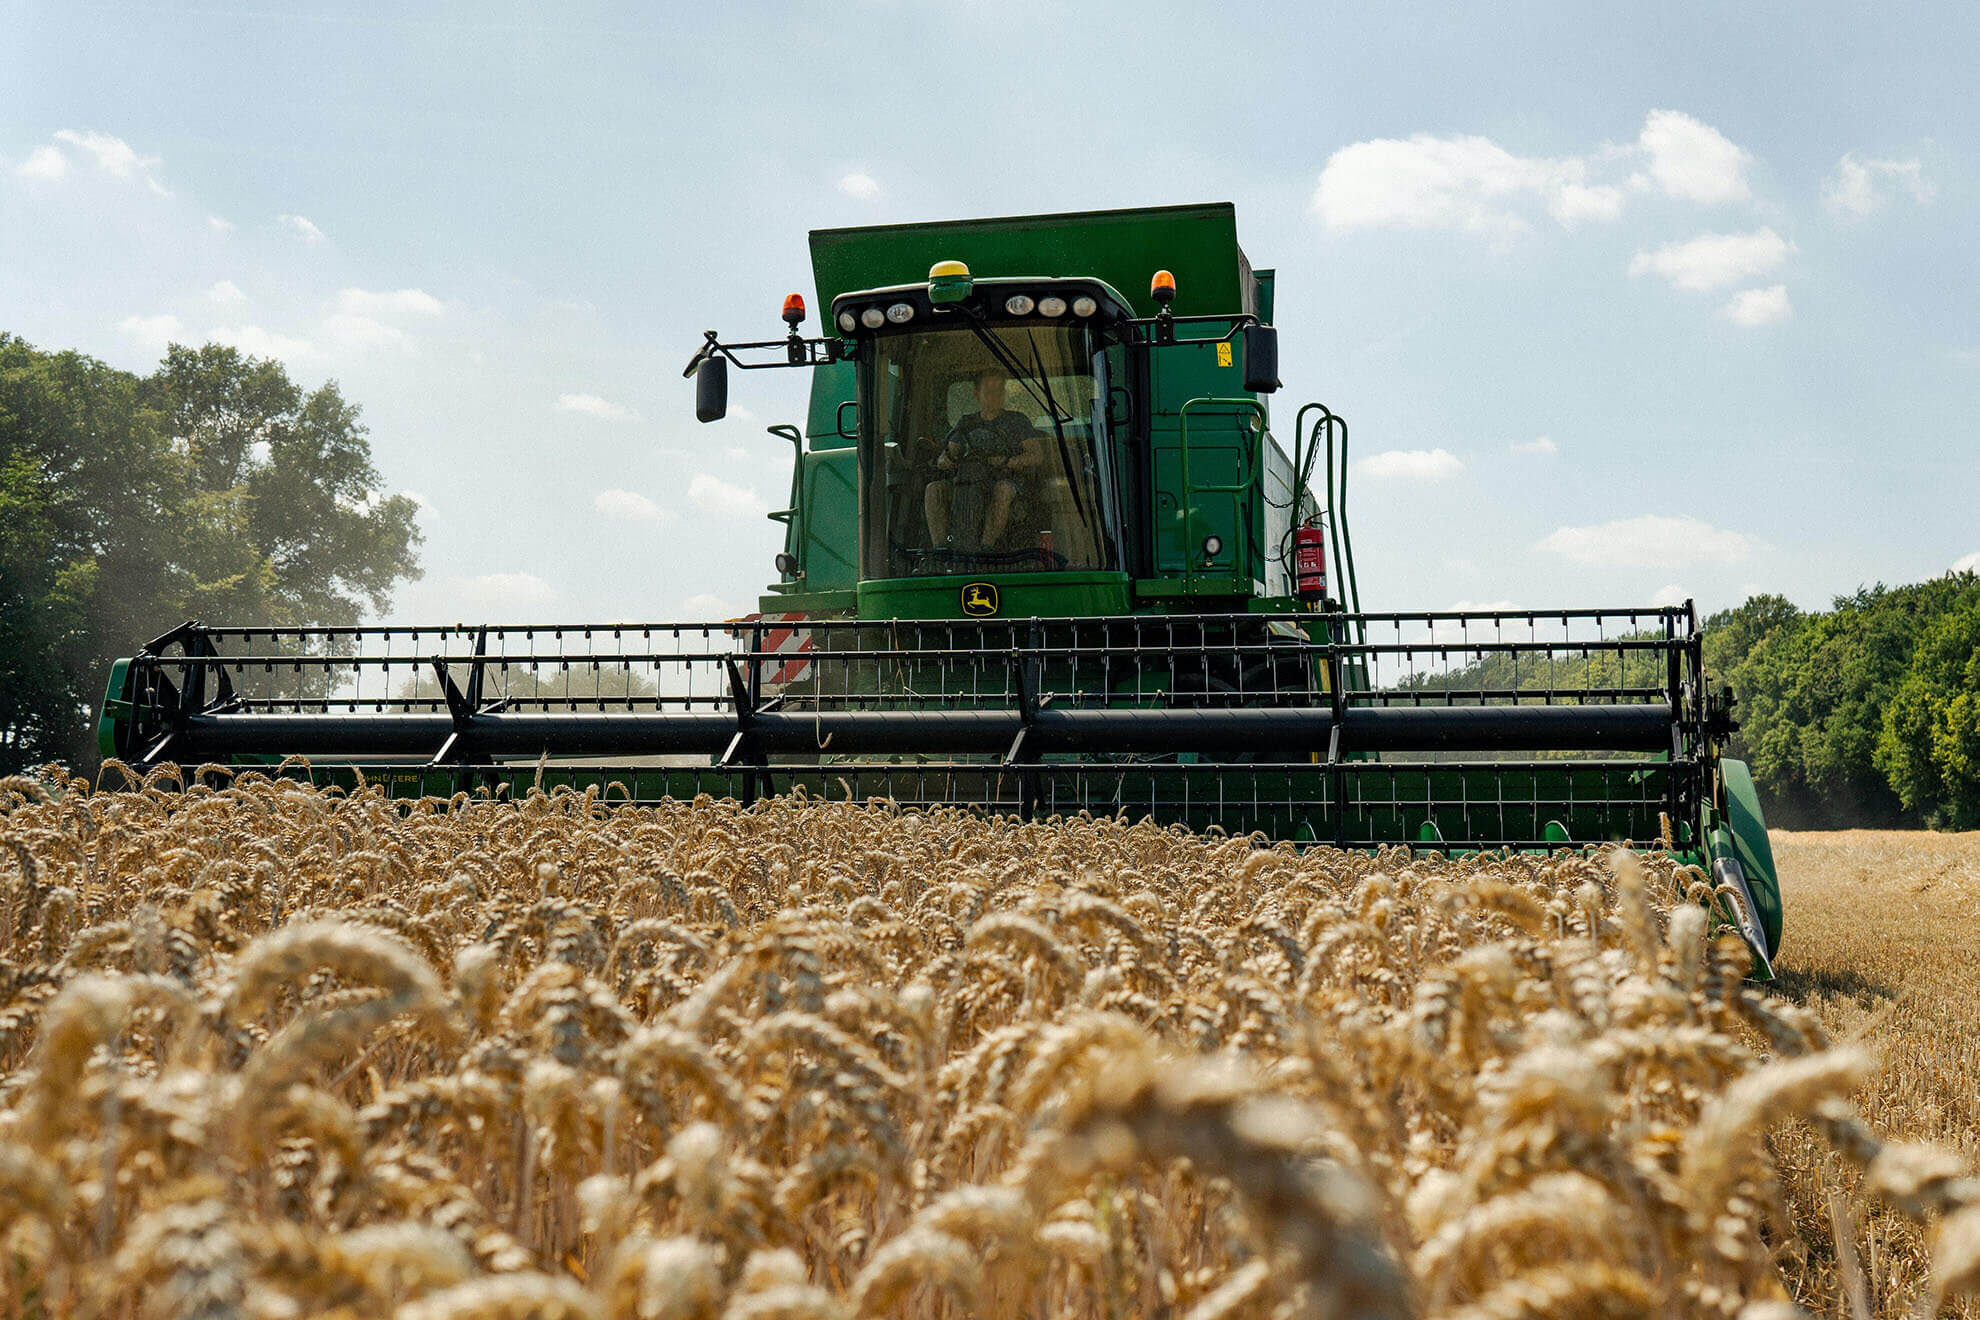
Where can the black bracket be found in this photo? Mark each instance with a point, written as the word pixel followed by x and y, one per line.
pixel 1720 725
pixel 463 707
pixel 458 706
pixel 797 351
pixel 743 750
pixel 1337 698
pixel 1161 327
pixel 163 701
pixel 198 645
pixel 1024 677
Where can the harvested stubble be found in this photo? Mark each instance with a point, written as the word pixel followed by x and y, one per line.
pixel 275 1052
pixel 1885 949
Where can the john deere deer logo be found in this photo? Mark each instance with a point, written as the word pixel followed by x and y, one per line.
pixel 979 600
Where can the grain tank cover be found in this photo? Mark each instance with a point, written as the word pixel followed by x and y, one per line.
pixel 1123 248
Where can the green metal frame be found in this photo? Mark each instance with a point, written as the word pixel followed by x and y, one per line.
pixel 1750 845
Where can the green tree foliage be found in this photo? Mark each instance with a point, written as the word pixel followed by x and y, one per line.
pixel 1731 634
pixel 214 488
pixel 1929 745
pixel 1818 698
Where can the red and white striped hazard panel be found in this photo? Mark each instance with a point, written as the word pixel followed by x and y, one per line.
pixel 785 638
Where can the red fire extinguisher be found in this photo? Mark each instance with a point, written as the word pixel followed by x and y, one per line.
pixel 1309 563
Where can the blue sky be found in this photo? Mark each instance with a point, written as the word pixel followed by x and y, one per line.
pixel 1622 307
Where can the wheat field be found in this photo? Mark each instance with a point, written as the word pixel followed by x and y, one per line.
pixel 267 1051
pixel 1882 944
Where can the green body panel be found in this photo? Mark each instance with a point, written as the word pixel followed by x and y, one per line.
pixel 831 385
pixel 115 709
pixel 831 511
pixel 1240 486
pixel 1021 596
pixel 1751 846
pixel 1198 244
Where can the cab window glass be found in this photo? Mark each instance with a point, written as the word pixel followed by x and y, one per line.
pixel 987 460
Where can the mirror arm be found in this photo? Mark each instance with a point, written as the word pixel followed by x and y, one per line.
pixel 1162 329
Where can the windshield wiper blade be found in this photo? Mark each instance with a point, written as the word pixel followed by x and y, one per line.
pixel 1058 426
pixel 1045 381
pixel 1009 361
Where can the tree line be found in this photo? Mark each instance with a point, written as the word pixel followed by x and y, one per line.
pixel 1866 714
pixel 214 488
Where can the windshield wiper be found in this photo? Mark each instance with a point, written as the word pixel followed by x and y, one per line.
pixel 1045 382
pixel 1058 427
pixel 1009 362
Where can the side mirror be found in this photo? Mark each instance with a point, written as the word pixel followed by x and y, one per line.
pixel 1261 358
pixel 711 389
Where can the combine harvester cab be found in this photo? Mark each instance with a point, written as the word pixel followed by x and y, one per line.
pixel 1043 554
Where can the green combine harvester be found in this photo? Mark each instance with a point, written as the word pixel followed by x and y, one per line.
pixel 1044 554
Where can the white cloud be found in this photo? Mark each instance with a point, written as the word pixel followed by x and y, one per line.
pixel 863 186
pixel 1471 183
pixel 46 164
pixel 1573 202
pixel 115 157
pixel 302 227
pixel 220 226
pixel 226 294
pixel 398 302
pixel 1967 563
pixel 629 504
pixel 719 497
pixel 1754 307
pixel 364 333
pixel 1671 595
pixel 366 321
pixel 1426 182
pixel 257 342
pixel 154 332
pixel 1862 187
pixel 525 589
pixel 1713 260
pixel 1649 541
pixel 707 605
pixel 1691 160
pixel 1539 444
pixel 1410 465
pixel 593 406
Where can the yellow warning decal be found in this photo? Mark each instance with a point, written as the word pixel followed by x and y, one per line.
pixel 1224 354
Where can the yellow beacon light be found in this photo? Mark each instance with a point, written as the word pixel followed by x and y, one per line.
pixel 1162 288
pixel 948 281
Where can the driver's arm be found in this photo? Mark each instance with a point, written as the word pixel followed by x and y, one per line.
pixel 1030 454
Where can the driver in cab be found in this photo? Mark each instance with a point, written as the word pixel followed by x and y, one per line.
pixel 986 448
